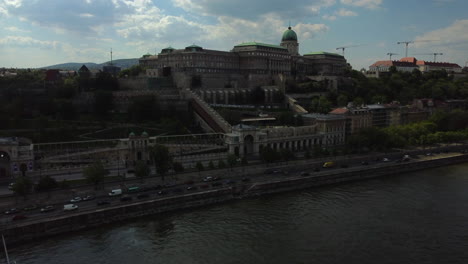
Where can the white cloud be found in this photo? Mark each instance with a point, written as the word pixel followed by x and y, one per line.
pixel 329 17
pixel 12 3
pixel 452 41
pixel 370 4
pixel 20 41
pixel 15 29
pixel 86 15
pixel 346 13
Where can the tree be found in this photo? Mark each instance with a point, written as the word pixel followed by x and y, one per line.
pixel 178 167
pixel 269 155
pixel 286 154
pixel 232 160
pixel 161 158
pixel 103 102
pixel 211 165
pixel 23 186
pixel 221 164
pixel 95 173
pixel 199 167
pixel 46 184
pixel 142 170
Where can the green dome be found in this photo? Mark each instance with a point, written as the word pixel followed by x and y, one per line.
pixel 289 34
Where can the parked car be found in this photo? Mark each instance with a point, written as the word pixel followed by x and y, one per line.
pixel 76 200
pixel 88 198
pixel 47 208
pixel 70 207
pixel 11 211
pixel 102 202
pixel 19 217
pixel 115 192
pixel 191 188
pixel 11 185
pixel 162 192
pixel 207 179
pixel 229 182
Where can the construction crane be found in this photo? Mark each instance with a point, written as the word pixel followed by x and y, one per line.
pixel 391 54
pixel 434 54
pixel 407 43
pixel 410 42
pixel 345 47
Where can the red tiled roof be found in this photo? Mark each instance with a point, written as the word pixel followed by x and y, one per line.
pixel 339 111
pixel 438 64
pixel 409 59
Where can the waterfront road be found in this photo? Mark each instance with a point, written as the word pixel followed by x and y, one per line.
pixel 155 188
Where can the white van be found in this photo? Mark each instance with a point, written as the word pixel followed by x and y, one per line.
pixel 115 192
pixel 70 207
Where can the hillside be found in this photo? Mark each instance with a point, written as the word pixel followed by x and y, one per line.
pixel 74 66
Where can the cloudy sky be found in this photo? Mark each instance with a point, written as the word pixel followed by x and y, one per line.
pixel 37 33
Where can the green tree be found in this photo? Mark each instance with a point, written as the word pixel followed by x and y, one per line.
pixel 95 173
pixel 199 167
pixel 221 164
pixel 161 158
pixel 269 155
pixel 142 170
pixel 286 154
pixel 342 100
pixel 23 186
pixel 46 184
pixel 103 103
pixel 211 165
pixel 232 160
pixel 178 167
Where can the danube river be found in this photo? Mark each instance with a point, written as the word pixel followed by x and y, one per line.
pixel 414 218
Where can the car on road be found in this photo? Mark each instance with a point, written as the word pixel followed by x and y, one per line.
pixel 204 186
pixel 385 159
pixel 162 192
pixel 11 211
pixel 115 192
pixel 364 163
pixel 11 186
pixel 177 190
pixel 125 198
pixel 304 173
pixel 191 188
pixel 102 202
pixel 142 195
pixel 316 169
pixel 272 171
pixel 88 198
pixel 76 200
pixel 229 182
pixel 133 189
pixel 328 164
pixel 47 208
pixel 19 217
pixel 189 182
pixel 214 184
pixel 344 166
pixel 207 179
pixel 70 207
pixel 245 179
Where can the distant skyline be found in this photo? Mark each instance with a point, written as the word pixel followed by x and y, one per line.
pixel 46 32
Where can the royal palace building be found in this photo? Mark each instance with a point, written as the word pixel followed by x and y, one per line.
pixel 250 58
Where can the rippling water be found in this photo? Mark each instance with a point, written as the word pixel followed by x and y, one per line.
pixel 420 217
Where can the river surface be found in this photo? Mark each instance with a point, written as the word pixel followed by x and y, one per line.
pixel 419 217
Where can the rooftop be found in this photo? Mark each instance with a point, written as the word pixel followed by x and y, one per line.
pixel 246 44
pixel 324 53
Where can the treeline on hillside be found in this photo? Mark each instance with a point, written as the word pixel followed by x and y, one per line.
pixel 403 87
pixel 442 127
pixel 28 96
